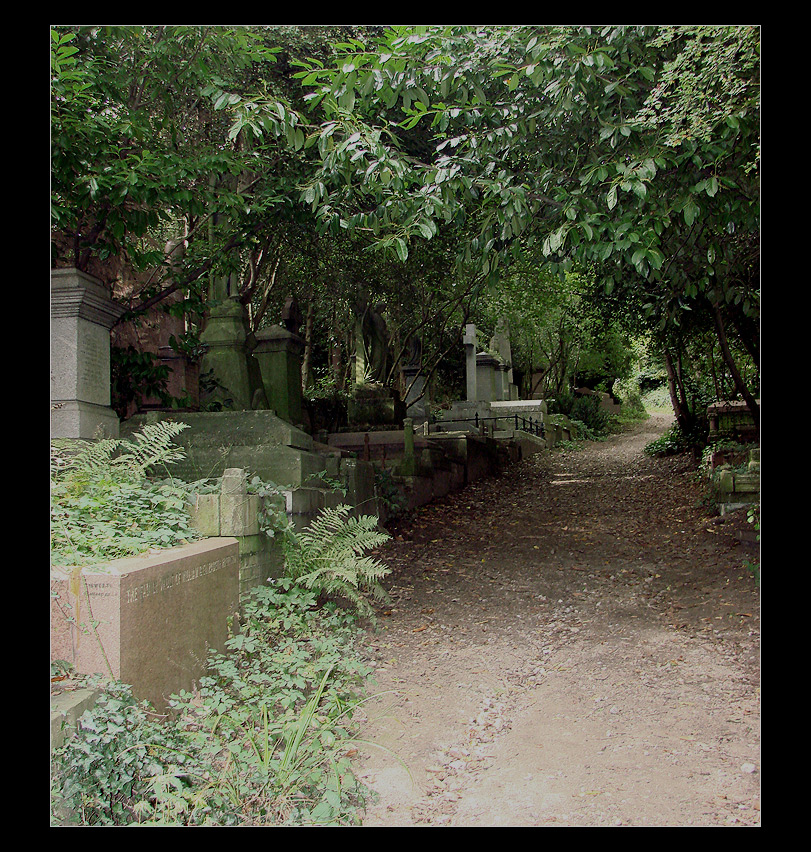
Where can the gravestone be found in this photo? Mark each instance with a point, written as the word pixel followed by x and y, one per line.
pixel 82 314
pixel 149 621
pixel 488 384
pixel 500 343
pixel 225 337
pixel 279 352
pixel 416 392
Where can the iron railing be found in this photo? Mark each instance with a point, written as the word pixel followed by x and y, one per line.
pixel 525 424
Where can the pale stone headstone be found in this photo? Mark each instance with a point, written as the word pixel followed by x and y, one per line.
pixel 82 314
pixel 487 388
pixel 150 620
pixel 500 343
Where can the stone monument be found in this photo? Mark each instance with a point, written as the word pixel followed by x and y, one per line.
pixel 372 402
pixel 225 337
pixel 416 392
pixel 469 341
pixel 82 314
pixel 279 350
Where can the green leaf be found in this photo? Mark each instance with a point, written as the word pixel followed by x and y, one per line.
pixel 611 198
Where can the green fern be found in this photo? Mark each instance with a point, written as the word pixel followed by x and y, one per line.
pixel 105 506
pixel 327 557
pixel 117 459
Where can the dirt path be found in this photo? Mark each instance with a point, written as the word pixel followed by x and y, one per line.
pixel 572 643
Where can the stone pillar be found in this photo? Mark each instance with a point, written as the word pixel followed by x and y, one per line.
pixel 486 377
pixel 226 355
pixel 502 380
pixel 469 340
pixel 408 465
pixel 82 314
pixel 279 354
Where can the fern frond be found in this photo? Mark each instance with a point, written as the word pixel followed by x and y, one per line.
pixel 117 459
pixel 151 446
pixel 328 557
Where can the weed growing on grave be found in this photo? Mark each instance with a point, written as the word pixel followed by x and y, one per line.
pixel 107 502
pixel 264 741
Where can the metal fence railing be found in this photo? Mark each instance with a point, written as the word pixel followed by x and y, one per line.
pixel 525 424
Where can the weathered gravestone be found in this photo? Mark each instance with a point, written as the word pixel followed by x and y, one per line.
pixel 149 621
pixel 82 314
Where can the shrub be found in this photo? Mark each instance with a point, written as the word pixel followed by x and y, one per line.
pixel 586 410
pixel 671 443
pixel 327 557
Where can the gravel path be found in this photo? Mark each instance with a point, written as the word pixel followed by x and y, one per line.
pixel 572 643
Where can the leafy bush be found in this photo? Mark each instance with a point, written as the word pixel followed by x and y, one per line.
pixel 263 742
pixel 671 443
pixel 103 504
pixel 587 410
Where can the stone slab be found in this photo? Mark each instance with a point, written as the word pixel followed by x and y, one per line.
pixel 257 441
pixel 155 617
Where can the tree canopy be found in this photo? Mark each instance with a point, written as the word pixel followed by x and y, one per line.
pixel 632 152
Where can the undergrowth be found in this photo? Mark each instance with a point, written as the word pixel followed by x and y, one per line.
pixel 265 740
pixel 108 500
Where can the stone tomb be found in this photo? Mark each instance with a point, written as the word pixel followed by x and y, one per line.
pixel 150 620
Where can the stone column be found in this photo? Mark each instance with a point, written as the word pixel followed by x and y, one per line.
pixel 82 314
pixel 502 380
pixel 486 377
pixel 226 355
pixel 408 464
pixel 279 354
pixel 469 340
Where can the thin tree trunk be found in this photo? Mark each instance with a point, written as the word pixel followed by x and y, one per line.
pixel 681 414
pixel 740 385
pixel 306 361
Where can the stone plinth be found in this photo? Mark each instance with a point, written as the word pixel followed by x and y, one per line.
pixel 156 617
pixel 82 314
pixel 226 357
pixel 373 405
pixel 257 441
pixel 279 353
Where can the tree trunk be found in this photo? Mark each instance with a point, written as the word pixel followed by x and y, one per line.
pixel 684 419
pixel 307 359
pixel 740 385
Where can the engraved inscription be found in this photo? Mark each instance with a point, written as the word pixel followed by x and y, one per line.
pixel 176 578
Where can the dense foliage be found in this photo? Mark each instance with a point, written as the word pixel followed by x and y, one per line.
pixel 113 498
pixel 431 168
pixel 265 741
